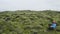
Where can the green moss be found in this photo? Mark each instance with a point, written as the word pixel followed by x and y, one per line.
pixel 28 22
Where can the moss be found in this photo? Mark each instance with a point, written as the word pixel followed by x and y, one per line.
pixel 28 22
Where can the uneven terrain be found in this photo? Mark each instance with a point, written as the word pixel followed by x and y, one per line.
pixel 28 22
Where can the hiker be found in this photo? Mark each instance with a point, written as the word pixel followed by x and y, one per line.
pixel 53 25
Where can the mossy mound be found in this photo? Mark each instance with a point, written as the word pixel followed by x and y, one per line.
pixel 28 22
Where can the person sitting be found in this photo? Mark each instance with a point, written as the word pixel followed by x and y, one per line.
pixel 52 26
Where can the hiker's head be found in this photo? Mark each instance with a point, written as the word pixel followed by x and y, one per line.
pixel 54 21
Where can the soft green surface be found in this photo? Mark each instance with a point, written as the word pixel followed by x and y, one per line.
pixel 28 22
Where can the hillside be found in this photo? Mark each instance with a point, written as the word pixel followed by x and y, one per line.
pixel 28 22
